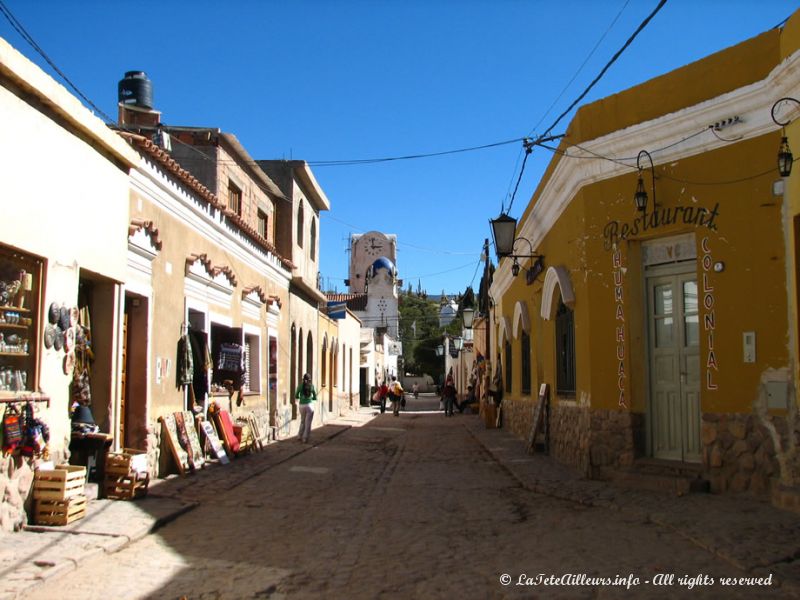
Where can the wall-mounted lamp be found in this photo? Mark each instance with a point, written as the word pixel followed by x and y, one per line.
pixel 640 196
pixel 468 315
pixel 785 158
pixel 503 229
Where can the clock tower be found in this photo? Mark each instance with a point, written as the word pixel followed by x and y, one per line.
pixel 365 249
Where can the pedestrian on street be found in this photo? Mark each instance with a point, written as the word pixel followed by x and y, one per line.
pixel 306 394
pixel 383 391
pixel 415 390
pixel 396 395
pixel 448 396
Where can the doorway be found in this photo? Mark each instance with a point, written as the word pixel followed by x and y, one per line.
pixel 674 360
pixel 133 401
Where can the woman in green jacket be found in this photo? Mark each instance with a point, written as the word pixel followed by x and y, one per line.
pixel 306 394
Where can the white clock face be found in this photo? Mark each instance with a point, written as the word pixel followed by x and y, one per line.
pixel 373 246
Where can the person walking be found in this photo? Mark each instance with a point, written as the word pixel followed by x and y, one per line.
pixel 448 396
pixel 306 394
pixel 383 391
pixel 396 395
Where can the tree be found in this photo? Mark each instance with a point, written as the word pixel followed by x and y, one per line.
pixel 419 328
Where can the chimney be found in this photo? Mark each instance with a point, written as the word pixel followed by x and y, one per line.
pixel 135 94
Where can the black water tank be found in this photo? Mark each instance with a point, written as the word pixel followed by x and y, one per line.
pixel 136 90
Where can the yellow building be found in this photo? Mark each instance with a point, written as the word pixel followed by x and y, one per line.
pixel 667 336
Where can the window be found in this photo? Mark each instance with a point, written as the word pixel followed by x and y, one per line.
pixel 312 242
pixel 525 364
pixel 228 355
pixel 300 225
pixel 263 223
pixel 251 380
pixel 234 197
pixel 324 363
pixel 20 285
pixel 273 371
pixel 565 350
pixel 509 366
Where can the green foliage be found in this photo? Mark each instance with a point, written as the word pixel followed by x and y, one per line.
pixel 420 333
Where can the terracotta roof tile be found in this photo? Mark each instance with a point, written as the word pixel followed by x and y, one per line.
pixel 165 160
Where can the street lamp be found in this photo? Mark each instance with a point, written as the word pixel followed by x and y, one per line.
pixel 503 229
pixel 640 197
pixel 785 158
pixel 458 343
pixel 440 350
pixel 468 314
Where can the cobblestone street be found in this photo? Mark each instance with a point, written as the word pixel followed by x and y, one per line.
pixel 403 507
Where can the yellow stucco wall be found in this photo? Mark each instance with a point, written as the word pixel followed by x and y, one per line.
pixel 732 183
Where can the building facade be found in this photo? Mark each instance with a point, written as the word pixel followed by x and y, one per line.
pixel 54 284
pixel 664 333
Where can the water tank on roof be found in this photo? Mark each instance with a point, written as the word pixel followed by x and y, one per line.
pixel 135 89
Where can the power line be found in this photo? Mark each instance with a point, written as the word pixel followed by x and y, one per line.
pixel 364 161
pixel 544 137
pixel 20 29
pixel 583 64
pixel 608 65
pixel 621 161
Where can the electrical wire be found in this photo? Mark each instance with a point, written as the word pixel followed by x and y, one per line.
pixel 662 175
pixel 20 29
pixel 364 161
pixel 614 58
pixel 541 138
pixel 528 150
pixel 583 64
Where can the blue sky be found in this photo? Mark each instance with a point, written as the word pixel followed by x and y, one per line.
pixel 357 79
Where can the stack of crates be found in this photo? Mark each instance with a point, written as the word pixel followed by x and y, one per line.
pixel 58 495
pixel 126 475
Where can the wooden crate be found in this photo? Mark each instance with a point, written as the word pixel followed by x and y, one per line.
pixel 120 464
pixel 61 483
pixel 59 512
pixel 126 487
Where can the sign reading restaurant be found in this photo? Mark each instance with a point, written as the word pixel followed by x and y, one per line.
pixel 615 232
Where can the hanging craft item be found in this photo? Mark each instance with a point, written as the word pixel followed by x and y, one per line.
pixel 69 363
pixel 230 358
pixel 53 313
pixel 36 434
pixel 69 339
pixel 49 336
pixel 81 388
pixel 63 318
pixel 12 429
pixel 58 340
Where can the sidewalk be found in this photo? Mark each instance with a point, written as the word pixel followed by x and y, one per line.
pixel 29 557
pixel 747 532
